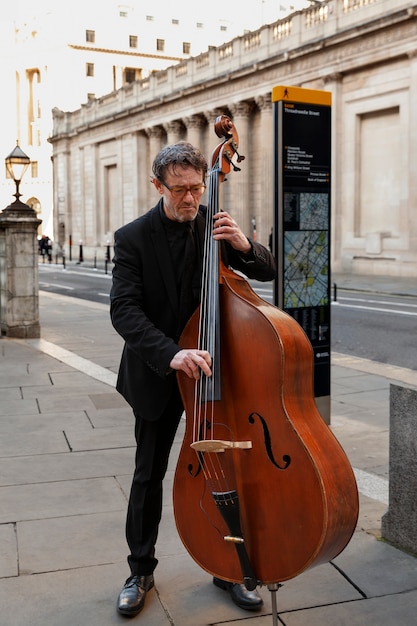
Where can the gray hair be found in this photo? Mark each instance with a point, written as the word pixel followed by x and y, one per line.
pixel 181 154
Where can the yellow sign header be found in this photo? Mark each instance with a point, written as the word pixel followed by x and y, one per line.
pixel 299 94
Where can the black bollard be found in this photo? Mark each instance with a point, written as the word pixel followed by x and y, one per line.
pixel 107 257
pixel 80 256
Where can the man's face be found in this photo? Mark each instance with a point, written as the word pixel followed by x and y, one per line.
pixel 181 190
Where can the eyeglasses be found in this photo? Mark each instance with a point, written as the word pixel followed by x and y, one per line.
pixel 179 192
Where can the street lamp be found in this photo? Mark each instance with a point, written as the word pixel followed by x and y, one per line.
pixel 16 164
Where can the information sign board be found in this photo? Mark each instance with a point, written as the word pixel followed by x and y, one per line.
pixel 301 234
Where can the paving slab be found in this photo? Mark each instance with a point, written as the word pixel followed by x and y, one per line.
pixel 18 444
pixel 71 542
pixel 8 551
pixel 370 514
pixel 63 498
pixel 77 597
pixel 48 468
pixel 110 400
pixel 64 400
pixel 112 416
pixel 365 562
pixel 99 438
pixel 41 423
pixel 16 406
pixel 366 445
pixel 391 610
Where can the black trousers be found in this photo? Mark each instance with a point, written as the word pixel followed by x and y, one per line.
pixel 154 440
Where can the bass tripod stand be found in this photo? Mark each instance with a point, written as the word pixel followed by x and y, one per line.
pixel 273 588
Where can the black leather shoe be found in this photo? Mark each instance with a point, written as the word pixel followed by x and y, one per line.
pixel 242 597
pixel 132 597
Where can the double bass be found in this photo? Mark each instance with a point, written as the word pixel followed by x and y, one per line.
pixel 262 488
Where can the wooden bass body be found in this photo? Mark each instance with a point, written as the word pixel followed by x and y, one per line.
pixel 297 494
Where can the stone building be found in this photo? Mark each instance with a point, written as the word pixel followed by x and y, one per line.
pixel 52 55
pixel 362 51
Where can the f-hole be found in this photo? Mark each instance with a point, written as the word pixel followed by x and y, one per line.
pixel 253 417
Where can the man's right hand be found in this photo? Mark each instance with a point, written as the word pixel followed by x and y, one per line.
pixel 192 362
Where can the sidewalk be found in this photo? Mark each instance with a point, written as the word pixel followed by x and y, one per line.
pixel 405 286
pixel 66 461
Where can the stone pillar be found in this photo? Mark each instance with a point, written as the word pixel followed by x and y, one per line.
pixel 156 135
pixel 399 524
pixel 62 194
pixel 19 289
pixel 141 179
pixel 241 194
pixel 334 84
pixel 263 181
pixel 195 125
pixel 411 226
pixel 174 130
pixel 212 141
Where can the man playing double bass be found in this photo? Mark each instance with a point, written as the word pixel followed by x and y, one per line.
pixel 156 287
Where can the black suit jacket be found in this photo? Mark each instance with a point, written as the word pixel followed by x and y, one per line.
pixel 145 306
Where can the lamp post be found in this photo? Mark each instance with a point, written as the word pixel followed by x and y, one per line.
pixel 19 290
pixel 17 163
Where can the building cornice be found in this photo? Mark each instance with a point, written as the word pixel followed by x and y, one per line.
pixel 136 55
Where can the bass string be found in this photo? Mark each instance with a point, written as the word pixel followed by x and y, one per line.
pixel 208 340
pixel 203 395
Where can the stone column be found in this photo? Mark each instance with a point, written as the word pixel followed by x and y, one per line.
pixel 195 125
pixel 210 144
pixel 141 176
pixel 62 192
pixel 411 225
pixel 156 135
pixel 333 83
pixel 263 181
pixel 19 289
pixel 240 190
pixel 174 131
pixel 211 138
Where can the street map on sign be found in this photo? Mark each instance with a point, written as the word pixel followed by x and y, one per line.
pixel 306 254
